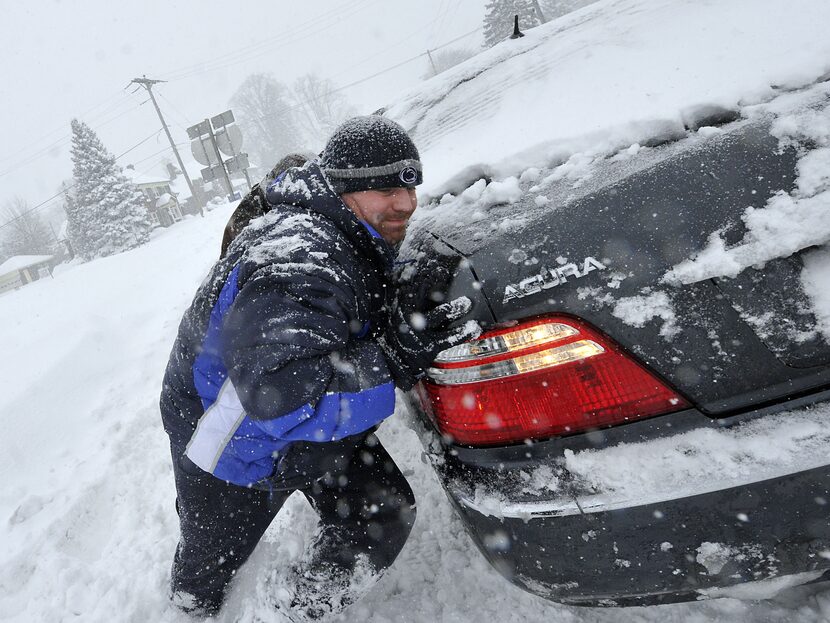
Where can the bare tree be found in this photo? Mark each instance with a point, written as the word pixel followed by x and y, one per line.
pixel 442 60
pixel 321 108
pixel 26 233
pixel 266 116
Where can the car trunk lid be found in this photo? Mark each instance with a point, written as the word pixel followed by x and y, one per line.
pixel 601 250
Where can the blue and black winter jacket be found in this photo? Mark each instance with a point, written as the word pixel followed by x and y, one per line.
pixel 276 348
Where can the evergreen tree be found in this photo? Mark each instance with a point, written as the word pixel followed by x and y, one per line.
pixel 76 226
pixel 498 18
pixel 109 213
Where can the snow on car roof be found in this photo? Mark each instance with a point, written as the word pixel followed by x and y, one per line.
pixel 615 73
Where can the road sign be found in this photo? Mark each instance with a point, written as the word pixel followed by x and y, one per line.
pixel 202 150
pixel 195 131
pixel 214 172
pixel 225 118
pixel 237 163
pixel 229 140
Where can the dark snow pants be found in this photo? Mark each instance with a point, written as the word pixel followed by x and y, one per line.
pixel 368 508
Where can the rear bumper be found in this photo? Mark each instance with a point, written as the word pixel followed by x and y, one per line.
pixel 676 540
pixel 665 551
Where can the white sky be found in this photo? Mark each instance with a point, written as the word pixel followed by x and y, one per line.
pixel 66 59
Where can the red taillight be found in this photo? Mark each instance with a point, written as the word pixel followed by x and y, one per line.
pixel 544 378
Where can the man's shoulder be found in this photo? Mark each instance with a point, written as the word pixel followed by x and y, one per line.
pixel 285 221
pixel 291 235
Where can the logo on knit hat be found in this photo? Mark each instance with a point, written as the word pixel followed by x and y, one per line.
pixel 409 175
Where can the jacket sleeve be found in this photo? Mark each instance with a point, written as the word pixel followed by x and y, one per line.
pixel 296 371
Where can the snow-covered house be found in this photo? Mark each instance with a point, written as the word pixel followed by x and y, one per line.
pixel 205 191
pixel 22 269
pixel 187 202
pixel 161 202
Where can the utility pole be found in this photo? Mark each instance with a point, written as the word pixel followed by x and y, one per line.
pixel 432 62
pixel 54 235
pixel 148 84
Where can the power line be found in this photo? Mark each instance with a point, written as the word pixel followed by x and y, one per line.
pixel 458 38
pixel 297 33
pixel 455 8
pixel 65 139
pixel 62 127
pixel 177 111
pixel 367 78
pixel 329 25
pixel 110 106
pixel 43 203
pixel 443 8
pixel 139 144
pixel 399 42
pixel 175 145
pixel 153 155
pixel 118 116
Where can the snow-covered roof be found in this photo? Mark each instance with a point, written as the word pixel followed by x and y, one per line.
pixel 163 200
pixel 179 185
pixel 611 74
pixel 150 177
pixel 19 262
pixel 194 169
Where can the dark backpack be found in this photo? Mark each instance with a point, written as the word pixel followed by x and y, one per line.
pixel 254 204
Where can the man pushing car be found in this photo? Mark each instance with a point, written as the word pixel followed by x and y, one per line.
pixel 284 365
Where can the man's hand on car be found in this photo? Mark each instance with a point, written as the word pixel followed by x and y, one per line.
pixel 412 339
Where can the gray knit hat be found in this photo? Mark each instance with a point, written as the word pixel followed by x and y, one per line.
pixel 371 152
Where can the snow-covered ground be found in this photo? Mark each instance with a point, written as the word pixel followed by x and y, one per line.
pixel 87 522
